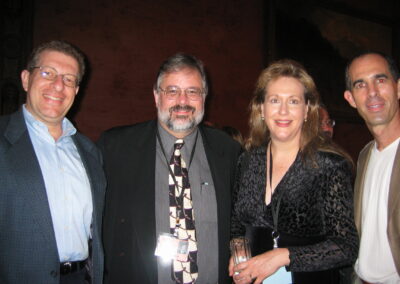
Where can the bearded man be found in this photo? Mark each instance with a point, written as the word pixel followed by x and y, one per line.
pixel 168 201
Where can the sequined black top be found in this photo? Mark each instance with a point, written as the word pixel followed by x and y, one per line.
pixel 317 203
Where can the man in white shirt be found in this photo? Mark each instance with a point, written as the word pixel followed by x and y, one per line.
pixel 373 88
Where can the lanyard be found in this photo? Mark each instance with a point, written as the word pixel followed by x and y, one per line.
pixel 275 213
pixel 180 197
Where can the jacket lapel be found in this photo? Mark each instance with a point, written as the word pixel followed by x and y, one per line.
pixel 359 184
pixel 144 197
pixel 28 176
pixel 394 192
pixel 393 230
pixel 96 180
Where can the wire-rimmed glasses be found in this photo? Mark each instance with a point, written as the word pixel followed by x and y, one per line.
pixel 51 74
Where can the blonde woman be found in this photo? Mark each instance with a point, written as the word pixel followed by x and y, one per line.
pixel 293 196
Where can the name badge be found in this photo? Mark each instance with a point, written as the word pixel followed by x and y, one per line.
pixel 171 248
pixel 281 276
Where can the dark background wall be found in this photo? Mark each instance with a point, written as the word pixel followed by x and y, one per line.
pixel 126 40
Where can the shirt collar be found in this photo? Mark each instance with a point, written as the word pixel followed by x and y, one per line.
pixel 168 140
pixel 394 144
pixel 67 127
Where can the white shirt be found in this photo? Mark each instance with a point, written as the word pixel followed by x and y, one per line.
pixel 375 262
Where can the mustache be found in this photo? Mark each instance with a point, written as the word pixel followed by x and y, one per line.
pixel 181 108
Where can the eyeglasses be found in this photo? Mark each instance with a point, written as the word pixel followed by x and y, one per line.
pixel 51 74
pixel 328 122
pixel 193 93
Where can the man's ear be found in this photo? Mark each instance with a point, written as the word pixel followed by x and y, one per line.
pixel 25 79
pixel 398 88
pixel 349 98
pixel 156 97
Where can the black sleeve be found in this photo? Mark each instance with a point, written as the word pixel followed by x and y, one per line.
pixel 237 227
pixel 341 245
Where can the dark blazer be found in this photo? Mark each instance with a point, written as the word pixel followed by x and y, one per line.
pixel 393 227
pixel 129 222
pixel 28 249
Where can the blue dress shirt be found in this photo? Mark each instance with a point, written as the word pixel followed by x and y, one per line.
pixel 67 186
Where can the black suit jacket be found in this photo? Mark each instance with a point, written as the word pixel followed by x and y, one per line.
pixel 129 154
pixel 28 249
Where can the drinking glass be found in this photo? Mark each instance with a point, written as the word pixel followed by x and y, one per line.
pixel 240 249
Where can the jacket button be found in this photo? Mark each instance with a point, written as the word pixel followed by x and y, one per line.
pixel 123 220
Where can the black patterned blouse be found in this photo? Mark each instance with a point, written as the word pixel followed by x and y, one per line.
pixel 316 208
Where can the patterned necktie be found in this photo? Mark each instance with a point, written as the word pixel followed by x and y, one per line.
pixel 182 217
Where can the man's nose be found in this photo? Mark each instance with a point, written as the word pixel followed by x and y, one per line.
pixel 58 83
pixel 182 97
pixel 372 90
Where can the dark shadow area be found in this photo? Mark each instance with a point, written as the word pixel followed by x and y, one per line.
pixel 301 40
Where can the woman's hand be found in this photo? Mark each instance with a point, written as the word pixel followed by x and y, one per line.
pixel 259 267
pixel 231 265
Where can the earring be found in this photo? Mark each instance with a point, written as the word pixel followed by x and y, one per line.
pixel 305 120
pixel 262 118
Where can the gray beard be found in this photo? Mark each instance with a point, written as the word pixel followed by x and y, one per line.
pixel 180 126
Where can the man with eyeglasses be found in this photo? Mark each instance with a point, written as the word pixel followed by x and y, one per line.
pixel 155 229
pixel 52 182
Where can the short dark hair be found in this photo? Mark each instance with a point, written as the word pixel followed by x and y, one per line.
pixel 179 62
pixel 323 106
pixel 394 71
pixel 60 46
